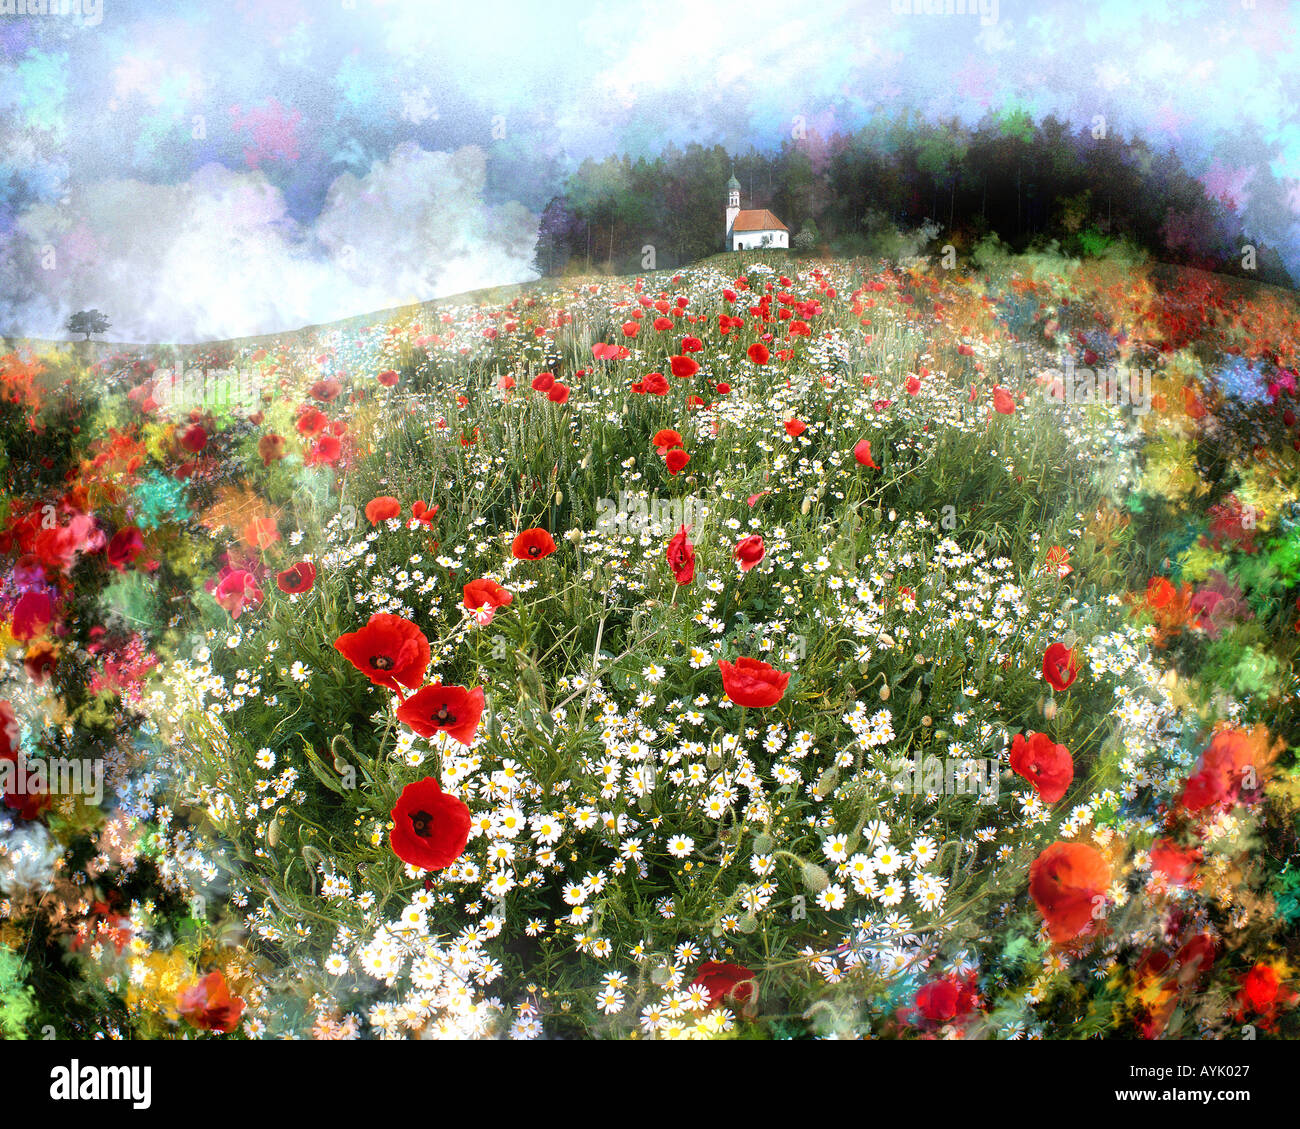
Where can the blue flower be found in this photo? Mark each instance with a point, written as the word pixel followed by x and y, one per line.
pixel 1240 380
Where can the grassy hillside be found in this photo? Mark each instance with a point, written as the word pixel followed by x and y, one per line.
pixel 770 648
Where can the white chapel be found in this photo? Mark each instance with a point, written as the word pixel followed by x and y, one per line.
pixel 750 228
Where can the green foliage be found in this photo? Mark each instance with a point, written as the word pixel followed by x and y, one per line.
pixel 17 1003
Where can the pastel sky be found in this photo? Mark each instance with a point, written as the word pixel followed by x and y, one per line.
pixel 202 170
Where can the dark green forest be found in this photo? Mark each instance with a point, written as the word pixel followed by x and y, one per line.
pixel 1030 184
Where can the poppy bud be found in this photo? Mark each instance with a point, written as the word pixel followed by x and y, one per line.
pixel 762 844
pixel 1049 708
pixel 748 923
pixel 916 697
pixel 712 761
pixel 826 782
pixel 559 497
pixel 338 745
pixel 273 832
pixel 815 879
pixel 884 693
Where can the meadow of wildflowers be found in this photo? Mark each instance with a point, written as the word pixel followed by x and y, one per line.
pixel 777 648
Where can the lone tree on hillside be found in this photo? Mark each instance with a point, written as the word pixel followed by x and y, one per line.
pixel 88 322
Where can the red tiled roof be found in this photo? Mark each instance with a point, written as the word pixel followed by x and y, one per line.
pixel 757 219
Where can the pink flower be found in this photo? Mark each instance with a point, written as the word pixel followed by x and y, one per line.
pixel 237 591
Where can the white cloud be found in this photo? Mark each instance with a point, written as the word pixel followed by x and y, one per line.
pixel 219 256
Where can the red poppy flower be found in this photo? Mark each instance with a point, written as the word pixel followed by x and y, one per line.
pixel 945 1001
pixel 126 545
pixel 1068 883
pixel 424 514
pixel 209 1005
pixel 680 555
pixel 913 385
pixel 1159 592
pixel 9 731
pixel 40 660
pixel 388 378
pixel 28 805
pixel 437 709
pixel 558 394
pixel 1236 761
pixel 724 982
pixel 532 545
pixel 1056 562
pixel 749 551
pixel 1195 958
pixel 750 682
pixel 862 452
pixel 683 366
pixel 326 450
pixel 1060 666
pixel 271 448
pixel 430 828
pixel 937 1001
pixel 794 428
pixel 480 592
pixel 666 439
pixel 1177 864
pixel 383 508
pixel 297 578
pixel 325 390
pixel 312 422
pixel 1261 994
pixel 543 381
pixel 389 651
pixel 676 460
pixel 655 384
pixel 1002 401
pixel 758 353
pixel 1046 765
pixel 260 533
pixel 692 344
pixel 194 439
pixel 238 590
